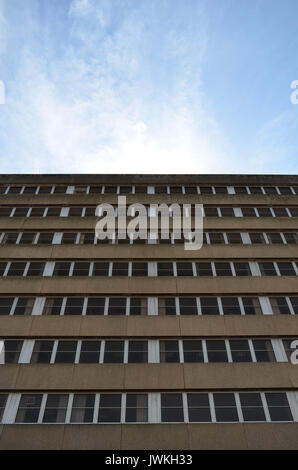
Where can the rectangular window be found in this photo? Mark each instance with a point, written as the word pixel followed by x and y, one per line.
pixel 62 268
pixel 278 406
pixel 216 238
pixel 294 302
pixel 74 306
pixel 42 352
pixel 248 211
pixel 5 305
pixel 234 238
pixel 138 351
pixel 166 306
pixel 225 407
pixel 125 189
pixel 204 269
pixel 240 189
pixel 27 238
pixel 267 269
pixel 36 268
pixel 286 269
pixel 161 189
pixel 45 189
pixel 82 408
pixel 16 269
pixel 37 211
pixel 136 408
pixel 279 305
pixel 294 210
pixel 284 190
pixel 223 269
pixel 109 408
pixel 176 189
pixel 66 352
pixel 210 211
pixel 198 408
pixel 193 351
pixel 227 211
pixel 240 350
pixel 263 350
pixel 138 306
pixel 291 238
pixel 21 212
pixel 15 189
pixel 188 306
pixel 117 306
pixel 100 269
pixel 81 269
pixel 169 351
pixel 55 410
pixel 171 408
pixel 110 189
pixel 165 269
pixel 3 400
pixel 230 306
pixel 257 238
pixel 264 212
pixel 29 408
pixel 139 269
pixel 242 269
pixel 221 190
pixel 209 306
pixel 120 269
pixel 114 352
pixel 80 189
pixel 10 238
pixel 90 352
pixel 274 238
pixel 86 238
pixel 252 407
pixel 53 211
pixel 270 190
pixel 206 190
pixel 24 306
pixel 251 305
pixel 30 190
pixel 287 346
pixel 255 189
pixel 52 306
pixel 184 269
pixel 95 306
pixel 60 189
pixel 141 189
pixel 12 349
pixel 191 190
pixel 90 211
pixel 45 238
pixel 216 350
pixel 280 212
pixel 95 189
pixel 75 211
pixel 6 211
pixel 2 268
pixel 68 238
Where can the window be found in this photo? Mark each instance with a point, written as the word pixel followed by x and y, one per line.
pixel 16 269
pixel 62 268
pixel 114 351
pixel 2 268
pixel 109 408
pixel 165 269
pixel 80 189
pixel 278 406
pixel 257 238
pixel 206 190
pixel 90 352
pixel 95 189
pixel 5 305
pixel 110 189
pixel 227 211
pixel 274 238
pixel 230 306
pixel 53 211
pixel 2 189
pixel 267 269
pixel 139 269
pixel 52 306
pixel 216 350
pixel 184 269
pixel 37 212
pixel 15 189
pixel 264 212
pixel 137 351
pixel 27 238
pixel 161 189
pixel 209 306
pixel 286 269
pixel 216 238
pixel 81 269
pixel 248 212
pixel 29 408
pixel 287 346
pixel 30 190
pixel 117 306
pixel 171 407
pixel 169 351
pixel 86 238
pixel 125 189
pixel 255 190
pixel 136 408
pixel 252 407
pixel 240 189
pixel 166 306
pixel 10 238
pixel 280 305
pixel 66 352
pixel 45 189
pixel 225 407
pixel 284 190
pixel 82 408
pixel 45 238
pixel 36 269
pixel 90 211
pixel 120 269
pixel 223 269
pixel 251 305
pixel 95 306
pixel 100 269
pixel 191 190
pixel 240 350
pixel 141 189
pixel 3 400
pixel 21 212
pixel 74 306
pixel 24 306
pixel 280 212
pixel 12 351
pixel 270 190
pixel 198 407
pixel 75 211
pixel 242 269
pixel 6 211
pixel 138 306
pixel 204 269
pixel 60 189
pixel 234 238
pixel 221 190
pixel 55 409
pixel 294 302
pixel 68 238
pixel 188 306
pixel 211 211
pixel 294 210
pixel 263 350
pixel 192 351
pixel 291 238
pixel 42 352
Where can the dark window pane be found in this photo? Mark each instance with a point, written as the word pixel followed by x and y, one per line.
pixel 81 269
pixel 225 407
pixel 278 405
pixel 90 352
pixel 223 269
pixel 204 269
pixel 267 269
pixel 139 269
pixel 109 408
pixel 12 349
pixel 169 351
pixel 117 306
pixel 198 407
pixel 230 306
pixel 36 269
pixel 263 350
pixel 171 407
pixel 286 269
pixel 114 352
pixel 82 408
pixel 136 408
pixel 100 269
pixel 29 407
pixel 184 269
pixel 45 238
pixel 188 306
pixel 216 351
pixel 165 269
pixel 120 269
pixel 95 306
pixel 16 269
pixel 55 410
pixel 192 351
pixel 74 306
pixel 5 305
pixel 52 306
pixel 42 352
pixel 66 352
pixel 61 268
pixel 240 350
pixel 138 351
pixel 209 306
pixel 252 407
pixel 242 269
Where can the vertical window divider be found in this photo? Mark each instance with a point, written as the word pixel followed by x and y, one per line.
pixel 12 212
pixel 102 351
pixel 181 352
pixel 2 236
pixel 194 268
pixel 225 238
pixel 19 238
pixel 26 269
pixel 295 267
pixel 83 212
pixel 91 266
pixel 207 238
pixel 63 305
pixel 177 305
pixel 265 407
pixel 125 357
pixel 185 407
pixel 174 269
pixel 7 268
pixel 252 351
pixel 129 269
pixel 54 351
pixel 11 408
pixel 78 351
pixel 110 272
pixel 293 403
pixel 123 408
pixel 204 349
pixel 238 407
pixel 77 240
pixel 212 407
pixel 228 349
pixel 232 268
pixel 220 308
pixel 35 240
pixel 14 304
pixel 84 309
pixel 290 305
pixel 69 408
pixel 288 212
pixel 71 268
pixel 29 212
pixel 42 408
pixel 127 307
pixel 242 310
pixel 272 211
pixel 96 408
pixel 52 190
pixel 283 238
pixel 276 268
pixel 199 310
pixel 267 241
pixel 106 307
pixel 154 408
pixel 213 269
pixel 279 350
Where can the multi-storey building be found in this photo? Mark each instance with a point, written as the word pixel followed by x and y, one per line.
pixel 142 344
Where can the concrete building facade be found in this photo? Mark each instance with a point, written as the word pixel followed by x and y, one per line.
pixel 145 345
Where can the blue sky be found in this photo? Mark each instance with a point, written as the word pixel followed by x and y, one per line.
pixel 148 86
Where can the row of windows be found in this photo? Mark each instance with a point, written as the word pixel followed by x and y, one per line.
pixel 161 189
pixel 208 211
pixel 141 268
pixel 149 305
pixel 89 238
pixel 140 351
pixel 174 407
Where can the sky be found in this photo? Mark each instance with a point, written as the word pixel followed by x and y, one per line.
pixel 148 86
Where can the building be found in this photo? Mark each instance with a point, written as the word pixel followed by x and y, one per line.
pixel 121 345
